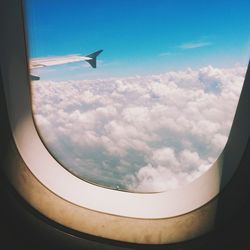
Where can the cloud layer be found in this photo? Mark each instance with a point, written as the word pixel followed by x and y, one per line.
pixel 144 133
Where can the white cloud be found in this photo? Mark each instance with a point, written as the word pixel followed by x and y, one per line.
pixel 144 133
pixel 194 45
pixel 165 156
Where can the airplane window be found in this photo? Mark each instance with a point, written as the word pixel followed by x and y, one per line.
pixel 136 95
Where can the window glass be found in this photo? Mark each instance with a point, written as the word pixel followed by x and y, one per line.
pixel 136 95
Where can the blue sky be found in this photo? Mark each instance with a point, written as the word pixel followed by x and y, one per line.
pixel 139 36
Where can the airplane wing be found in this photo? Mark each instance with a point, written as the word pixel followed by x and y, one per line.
pixel 57 60
pixel 51 61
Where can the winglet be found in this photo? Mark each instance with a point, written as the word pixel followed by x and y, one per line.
pixel 92 60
